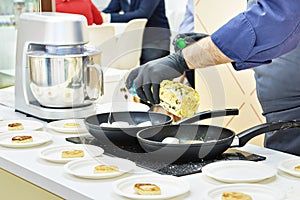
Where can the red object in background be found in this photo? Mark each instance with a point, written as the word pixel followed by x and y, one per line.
pixel 83 7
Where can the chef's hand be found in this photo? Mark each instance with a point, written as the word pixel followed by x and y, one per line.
pixel 182 40
pixel 147 78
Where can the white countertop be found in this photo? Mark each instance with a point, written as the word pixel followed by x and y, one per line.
pixel 25 163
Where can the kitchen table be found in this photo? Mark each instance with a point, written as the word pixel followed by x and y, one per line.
pixel 26 164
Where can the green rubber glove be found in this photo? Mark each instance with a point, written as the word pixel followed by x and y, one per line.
pixel 184 39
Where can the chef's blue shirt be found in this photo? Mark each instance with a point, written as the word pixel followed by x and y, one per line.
pixel 264 31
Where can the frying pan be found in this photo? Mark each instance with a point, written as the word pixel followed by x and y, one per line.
pixel 127 136
pixel 216 140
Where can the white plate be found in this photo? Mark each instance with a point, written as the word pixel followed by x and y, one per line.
pixel 85 168
pixel 288 165
pixel 27 124
pixel 39 137
pixel 236 171
pixel 120 107
pixel 170 186
pixel 59 126
pixel 256 191
pixel 53 153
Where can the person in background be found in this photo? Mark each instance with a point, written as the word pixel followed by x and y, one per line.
pixel 82 7
pixel 156 39
pixel 267 30
pixel 187 24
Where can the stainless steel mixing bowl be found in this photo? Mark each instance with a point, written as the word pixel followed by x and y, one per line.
pixel 62 79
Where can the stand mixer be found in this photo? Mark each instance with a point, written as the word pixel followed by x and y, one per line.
pixel 57 76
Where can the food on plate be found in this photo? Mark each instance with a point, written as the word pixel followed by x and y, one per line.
pixel 147 189
pixel 235 196
pixel 170 140
pixel 22 139
pixel 297 168
pixel 72 153
pixel 105 169
pixel 121 124
pixel 71 125
pixel 179 99
pixel 15 126
pixel 194 142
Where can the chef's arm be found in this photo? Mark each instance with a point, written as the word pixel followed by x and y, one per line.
pixel 207 54
pixel 266 30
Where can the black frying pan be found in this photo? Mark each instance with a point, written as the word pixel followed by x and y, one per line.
pixel 123 135
pixel 127 136
pixel 216 139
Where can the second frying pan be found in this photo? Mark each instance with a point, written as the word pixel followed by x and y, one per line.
pixel 215 139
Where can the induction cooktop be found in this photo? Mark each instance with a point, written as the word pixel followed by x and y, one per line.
pixel 136 154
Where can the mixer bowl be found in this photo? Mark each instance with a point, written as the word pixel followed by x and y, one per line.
pixel 63 81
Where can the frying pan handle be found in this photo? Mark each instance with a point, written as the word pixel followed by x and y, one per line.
pixel 208 114
pixel 250 133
